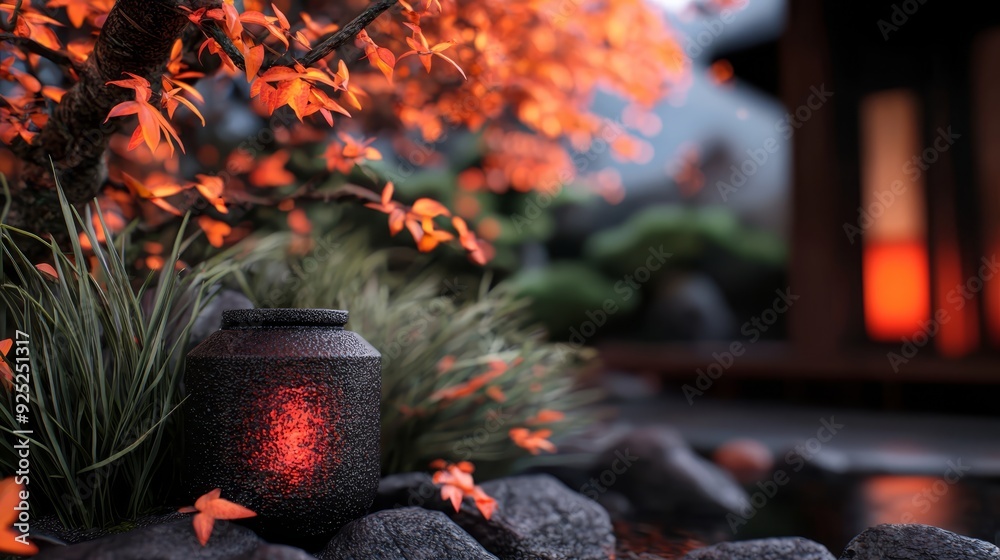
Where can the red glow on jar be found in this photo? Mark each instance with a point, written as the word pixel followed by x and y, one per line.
pixel 296 445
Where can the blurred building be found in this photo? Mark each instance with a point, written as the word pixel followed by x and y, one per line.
pixel 889 111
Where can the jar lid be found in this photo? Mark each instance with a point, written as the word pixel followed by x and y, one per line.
pixel 283 317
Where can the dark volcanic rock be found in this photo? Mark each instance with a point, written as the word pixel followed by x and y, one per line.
pixel 280 552
pixel 662 476
pixel 175 541
pixel 539 518
pixel 916 542
pixel 49 530
pixel 403 534
pixel 413 489
pixel 793 548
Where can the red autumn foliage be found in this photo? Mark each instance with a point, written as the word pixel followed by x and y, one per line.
pixel 534 442
pixel 496 369
pixel 12 541
pixel 6 373
pixel 518 72
pixel 457 484
pixel 211 507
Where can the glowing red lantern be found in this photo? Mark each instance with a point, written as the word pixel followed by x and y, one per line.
pixel 282 413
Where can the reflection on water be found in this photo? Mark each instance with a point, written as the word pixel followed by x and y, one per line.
pixel 832 509
pixel 913 499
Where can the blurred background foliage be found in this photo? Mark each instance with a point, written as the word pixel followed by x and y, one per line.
pixel 566 251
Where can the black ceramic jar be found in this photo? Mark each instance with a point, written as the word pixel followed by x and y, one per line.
pixel 282 414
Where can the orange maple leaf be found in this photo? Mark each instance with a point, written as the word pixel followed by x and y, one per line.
pixel 297 88
pixel 299 222
pixel 445 363
pixel 171 96
pixel 156 187
pixel 379 57
pixel 469 241
pixel 215 230
pixel 79 10
pixel 226 15
pixel 54 93
pixel 429 208
pixel 430 237
pixel 314 30
pixel 546 416
pixel 211 507
pixel 151 122
pixel 80 49
pixel 343 157
pixel 32 24
pixel 425 52
pixel 254 59
pixel 12 541
pixel 47 269
pixel 6 374
pixel 457 483
pixel 282 19
pixel 216 49
pixel 342 78
pixel 9 72
pixel 497 368
pixel 534 442
pixel 211 187
pixel 397 215
pixel 271 172
pixel 496 393
pixel 13 126
pixel 277 26
pixel 420 222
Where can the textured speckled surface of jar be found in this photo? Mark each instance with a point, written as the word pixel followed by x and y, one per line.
pixel 282 414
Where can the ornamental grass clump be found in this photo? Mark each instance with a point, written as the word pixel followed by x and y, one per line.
pixel 465 375
pixel 105 367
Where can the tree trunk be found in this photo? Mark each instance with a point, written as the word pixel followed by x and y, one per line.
pixel 137 37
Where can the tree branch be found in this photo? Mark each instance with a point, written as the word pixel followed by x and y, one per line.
pixel 137 37
pixel 11 23
pixel 35 47
pixel 346 33
pixel 317 53
pixel 215 32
